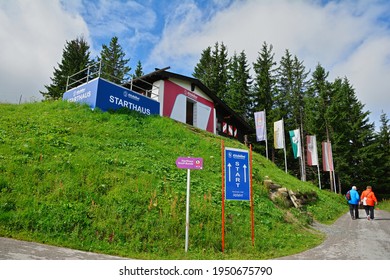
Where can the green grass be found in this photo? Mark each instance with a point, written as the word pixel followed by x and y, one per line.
pixel 107 182
pixel 384 205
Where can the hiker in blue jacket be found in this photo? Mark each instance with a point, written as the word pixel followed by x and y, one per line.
pixel 354 203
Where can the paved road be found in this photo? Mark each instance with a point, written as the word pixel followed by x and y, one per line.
pixel 347 239
pixel 11 249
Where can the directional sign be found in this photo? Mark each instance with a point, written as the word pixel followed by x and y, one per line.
pixel 189 163
pixel 237 180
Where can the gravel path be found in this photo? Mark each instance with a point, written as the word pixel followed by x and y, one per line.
pixel 349 239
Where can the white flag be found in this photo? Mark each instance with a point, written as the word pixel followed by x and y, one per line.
pixel 312 153
pixel 327 157
pixel 279 134
pixel 261 129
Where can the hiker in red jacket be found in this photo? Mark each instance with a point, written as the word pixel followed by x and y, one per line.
pixel 369 201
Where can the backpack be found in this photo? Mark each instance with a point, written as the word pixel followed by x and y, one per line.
pixel 348 195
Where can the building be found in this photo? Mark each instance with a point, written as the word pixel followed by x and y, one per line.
pixel 179 97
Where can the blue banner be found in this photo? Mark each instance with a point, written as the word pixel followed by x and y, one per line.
pixel 237 175
pixel 105 95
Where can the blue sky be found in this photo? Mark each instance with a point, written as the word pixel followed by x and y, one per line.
pixel 350 38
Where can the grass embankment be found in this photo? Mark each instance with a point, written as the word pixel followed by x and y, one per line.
pixel 108 183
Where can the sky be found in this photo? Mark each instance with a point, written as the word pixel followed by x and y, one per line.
pixel 349 38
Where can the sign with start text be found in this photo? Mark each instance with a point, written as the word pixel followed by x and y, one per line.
pixel 237 174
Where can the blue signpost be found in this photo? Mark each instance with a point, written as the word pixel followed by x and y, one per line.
pixel 237 176
pixel 237 182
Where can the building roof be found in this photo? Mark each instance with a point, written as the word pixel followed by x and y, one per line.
pixel 161 74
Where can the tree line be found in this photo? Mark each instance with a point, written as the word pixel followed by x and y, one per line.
pixel 76 62
pixel 285 90
pixel 308 101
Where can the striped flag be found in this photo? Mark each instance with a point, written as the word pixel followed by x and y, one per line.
pixel 327 157
pixel 279 134
pixel 311 153
pixel 224 127
pixel 230 130
pixel 260 124
pixel 295 138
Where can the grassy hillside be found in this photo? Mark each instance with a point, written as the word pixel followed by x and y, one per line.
pixel 107 182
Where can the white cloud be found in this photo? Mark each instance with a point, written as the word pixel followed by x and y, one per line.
pixel 344 36
pixel 349 38
pixel 33 34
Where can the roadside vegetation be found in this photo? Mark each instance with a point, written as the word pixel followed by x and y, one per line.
pixel 107 182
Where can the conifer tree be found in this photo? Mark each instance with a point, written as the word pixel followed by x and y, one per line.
pixel 264 81
pixel 316 103
pixel 351 134
pixel 237 96
pixel 113 63
pixel 75 58
pixel 264 88
pixel 212 69
pixel 292 84
pixel 138 71
pixel 203 70
pixel 381 169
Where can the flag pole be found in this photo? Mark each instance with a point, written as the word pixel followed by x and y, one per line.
pixel 284 147
pixel 223 195
pixel 251 199
pixel 319 179
pixel 266 136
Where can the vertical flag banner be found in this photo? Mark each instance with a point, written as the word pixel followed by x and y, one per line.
pixel 279 134
pixel 295 138
pixel 224 127
pixel 230 130
pixel 327 157
pixel 312 153
pixel 260 123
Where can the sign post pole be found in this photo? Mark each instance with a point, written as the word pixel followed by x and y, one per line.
pixel 187 209
pixel 188 163
pixel 223 195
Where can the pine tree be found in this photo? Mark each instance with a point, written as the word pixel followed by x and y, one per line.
pixel 316 103
pixel 113 63
pixel 138 71
pixel 75 58
pixel 212 69
pixel 265 80
pixel 292 84
pixel 351 134
pixel 381 168
pixel 237 96
pixel 203 69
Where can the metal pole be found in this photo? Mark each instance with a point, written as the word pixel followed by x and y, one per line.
pixel 223 195
pixel 251 197
pixel 319 179
pixel 187 209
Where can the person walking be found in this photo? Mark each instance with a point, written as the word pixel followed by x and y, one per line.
pixel 353 203
pixel 369 201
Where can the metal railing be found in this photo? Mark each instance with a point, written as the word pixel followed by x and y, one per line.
pixel 95 71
